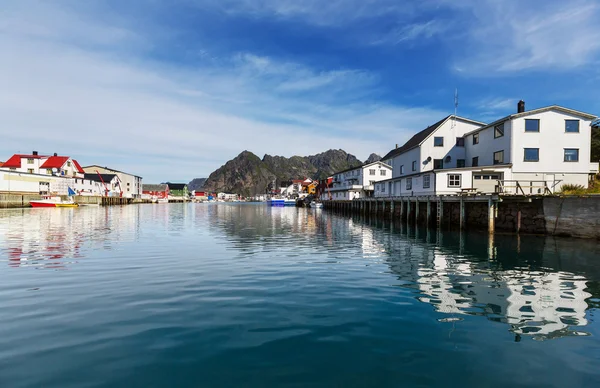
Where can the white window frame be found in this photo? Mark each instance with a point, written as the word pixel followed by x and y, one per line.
pixel 498 128
pixel 426 181
pixel 372 171
pixel 408 183
pixel 565 155
pixel 453 181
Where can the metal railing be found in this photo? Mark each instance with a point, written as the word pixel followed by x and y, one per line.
pixel 526 187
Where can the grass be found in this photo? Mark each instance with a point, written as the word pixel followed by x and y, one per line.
pixel 594 188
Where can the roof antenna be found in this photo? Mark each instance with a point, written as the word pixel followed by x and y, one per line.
pixel 455 107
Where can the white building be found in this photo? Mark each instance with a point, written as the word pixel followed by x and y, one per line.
pixel 357 182
pixel 530 152
pixel 132 184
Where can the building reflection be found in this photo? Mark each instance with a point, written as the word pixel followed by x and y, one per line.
pixel 55 238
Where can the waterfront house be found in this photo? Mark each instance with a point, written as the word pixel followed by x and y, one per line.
pixel 357 182
pixel 178 191
pixel 109 184
pixel 46 165
pixel 132 184
pixel 529 152
pixel 150 191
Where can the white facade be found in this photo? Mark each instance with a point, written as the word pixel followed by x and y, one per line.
pixel 357 182
pixel 19 182
pixel 131 184
pixel 534 152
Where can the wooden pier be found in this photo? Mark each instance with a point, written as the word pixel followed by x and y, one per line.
pixel 441 212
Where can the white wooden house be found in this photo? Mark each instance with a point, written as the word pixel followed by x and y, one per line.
pixel 529 152
pixel 357 182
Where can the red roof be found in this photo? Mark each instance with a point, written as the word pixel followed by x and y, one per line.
pixel 1 163
pixel 78 167
pixel 55 162
pixel 15 160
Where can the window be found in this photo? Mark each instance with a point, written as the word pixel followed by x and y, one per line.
pixel 454 180
pixel 13 169
pixel 475 161
pixel 532 155
pixel 571 155
pixel 499 157
pixel 414 165
pixel 401 169
pixel 460 163
pixel 532 125
pixel 499 130
pixel 382 172
pixel 438 141
pixel 49 171
pixel 476 138
pixel 426 181
pixel 408 183
pixel 30 170
pixel 383 188
pixel 371 183
pixel 372 172
pixel 30 160
pixel 127 183
pixel 68 164
pixel 460 141
pixel 571 125
pixel 438 164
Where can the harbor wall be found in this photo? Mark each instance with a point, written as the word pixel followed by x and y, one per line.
pixel 568 216
pixel 16 200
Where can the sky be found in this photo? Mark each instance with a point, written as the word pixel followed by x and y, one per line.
pixel 172 89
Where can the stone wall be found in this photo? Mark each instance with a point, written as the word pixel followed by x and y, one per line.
pixel 572 216
pixel 17 200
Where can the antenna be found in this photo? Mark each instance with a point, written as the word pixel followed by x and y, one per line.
pixel 455 107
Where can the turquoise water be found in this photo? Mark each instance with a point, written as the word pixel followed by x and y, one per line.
pixel 245 295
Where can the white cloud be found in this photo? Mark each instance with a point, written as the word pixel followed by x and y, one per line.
pixel 502 37
pixel 412 32
pixel 105 104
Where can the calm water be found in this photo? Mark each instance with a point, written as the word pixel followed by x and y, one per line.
pixel 246 295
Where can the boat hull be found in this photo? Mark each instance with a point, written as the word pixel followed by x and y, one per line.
pixel 51 204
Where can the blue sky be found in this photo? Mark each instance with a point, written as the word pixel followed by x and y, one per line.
pixel 172 89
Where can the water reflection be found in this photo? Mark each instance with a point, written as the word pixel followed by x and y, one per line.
pixel 55 238
pixel 540 287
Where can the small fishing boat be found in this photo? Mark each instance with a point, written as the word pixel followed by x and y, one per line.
pixel 49 201
pixel 55 201
pixel 316 205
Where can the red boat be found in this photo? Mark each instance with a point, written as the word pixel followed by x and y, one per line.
pixel 48 201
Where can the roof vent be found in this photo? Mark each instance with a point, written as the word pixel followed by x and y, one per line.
pixel 34 153
pixel 521 106
pixel 55 154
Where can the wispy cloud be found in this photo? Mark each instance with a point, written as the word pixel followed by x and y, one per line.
pixel 504 37
pixel 412 32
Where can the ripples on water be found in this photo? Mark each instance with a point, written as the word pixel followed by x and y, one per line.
pixel 247 295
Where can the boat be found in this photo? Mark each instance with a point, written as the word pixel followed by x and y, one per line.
pixel 316 205
pixel 281 202
pixel 52 201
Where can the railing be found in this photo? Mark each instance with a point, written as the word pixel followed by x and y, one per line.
pixel 526 187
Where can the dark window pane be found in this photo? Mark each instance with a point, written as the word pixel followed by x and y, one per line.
pixel 438 141
pixel 476 138
pixel 460 141
pixel 571 155
pixel 499 130
pixel 460 163
pixel 532 154
pixel 475 161
pixel 532 125
pixel 499 157
pixel 438 164
pixel 571 125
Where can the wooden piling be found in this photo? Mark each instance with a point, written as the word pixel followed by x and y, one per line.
pixel 462 213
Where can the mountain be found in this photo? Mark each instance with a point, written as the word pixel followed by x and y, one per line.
pixel 247 174
pixel 373 158
pixel 196 184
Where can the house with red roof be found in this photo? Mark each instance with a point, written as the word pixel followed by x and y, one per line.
pixel 35 163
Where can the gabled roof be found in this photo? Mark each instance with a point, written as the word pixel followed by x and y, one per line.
pixel 15 160
pixel 55 162
pixel 1 163
pixel 536 111
pixel 111 169
pixel 154 187
pixel 361 166
pixel 107 178
pixel 78 167
pixel 420 137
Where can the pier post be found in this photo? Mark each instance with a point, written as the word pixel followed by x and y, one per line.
pixel 462 213
pixel 392 207
pixel 401 208
pixel 417 211
pixel 408 210
pixel 491 216
pixel 518 219
pixel 428 212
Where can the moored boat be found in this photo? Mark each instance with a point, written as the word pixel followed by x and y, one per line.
pixel 49 201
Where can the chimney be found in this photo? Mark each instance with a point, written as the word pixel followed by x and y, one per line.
pixel 34 153
pixel 396 145
pixel 521 106
pixel 55 154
